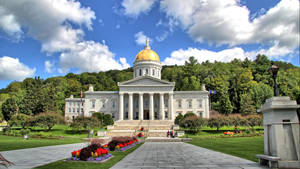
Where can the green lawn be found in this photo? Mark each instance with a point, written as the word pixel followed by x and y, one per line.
pixel 89 165
pixel 14 143
pixel 244 147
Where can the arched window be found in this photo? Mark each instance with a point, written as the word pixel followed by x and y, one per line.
pixel 146 71
pixel 153 72
pixel 140 72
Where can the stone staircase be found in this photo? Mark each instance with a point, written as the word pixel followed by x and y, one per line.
pixel 152 128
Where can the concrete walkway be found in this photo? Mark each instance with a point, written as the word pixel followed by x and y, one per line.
pixel 180 155
pixel 33 157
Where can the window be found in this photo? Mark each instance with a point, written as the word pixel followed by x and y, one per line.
pixel 166 114
pixel 113 104
pixel 77 110
pixel 146 71
pixel 137 104
pixel 126 105
pixel 166 102
pixel 126 115
pixel 200 103
pixel 179 103
pixel 73 110
pixel 93 103
pixel 140 72
pixel 190 104
pixel 155 115
pixel 136 115
pixel 153 72
pixel 200 113
pixel 113 115
pixel 81 110
pixel 103 104
pixel 147 103
pixel 155 104
pixel 78 104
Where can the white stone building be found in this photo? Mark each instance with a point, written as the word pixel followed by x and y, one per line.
pixel 145 97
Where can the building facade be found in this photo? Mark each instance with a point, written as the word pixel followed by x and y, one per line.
pixel 145 97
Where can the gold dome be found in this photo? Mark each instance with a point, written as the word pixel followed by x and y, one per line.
pixel 147 54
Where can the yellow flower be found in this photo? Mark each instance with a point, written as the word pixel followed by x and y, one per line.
pixel 92 154
pixel 96 154
pixel 77 154
pixel 117 147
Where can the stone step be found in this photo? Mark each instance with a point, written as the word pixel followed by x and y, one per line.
pixel 166 139
pixel 133 127
pixel 144 122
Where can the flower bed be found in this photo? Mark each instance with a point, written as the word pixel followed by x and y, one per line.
pixel 93 152
pixel 121 143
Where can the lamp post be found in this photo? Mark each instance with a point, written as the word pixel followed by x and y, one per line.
pixel 273 71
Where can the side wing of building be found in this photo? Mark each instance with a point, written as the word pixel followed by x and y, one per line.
pixel 191 101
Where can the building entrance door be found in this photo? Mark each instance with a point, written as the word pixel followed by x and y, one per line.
pixel 146 115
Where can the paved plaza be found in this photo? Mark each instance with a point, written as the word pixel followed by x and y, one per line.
pixel 33 157
pixel 180 155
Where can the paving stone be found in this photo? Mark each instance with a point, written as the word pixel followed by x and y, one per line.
pixel 181 155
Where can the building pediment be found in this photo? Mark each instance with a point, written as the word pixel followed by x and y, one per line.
pixel 146 81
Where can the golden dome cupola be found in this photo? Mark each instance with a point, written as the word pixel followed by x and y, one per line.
pixel 147 63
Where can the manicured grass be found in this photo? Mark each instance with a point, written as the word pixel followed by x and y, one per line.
pixel 14 143
pixel 244 147
pixel 89 165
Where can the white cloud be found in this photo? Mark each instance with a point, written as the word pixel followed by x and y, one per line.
pixel 228 22
pixel 49 66
pixel 180 56
pixel 90 56
pixel 162 37
pixel 47 21
pixel 13 69
pixel 134 7
pixel 274 52
pixel 140 38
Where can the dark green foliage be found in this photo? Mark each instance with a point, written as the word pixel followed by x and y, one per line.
pixel 178 119
pixel 217 121
pixel 85 122
pixel 48 120
pixel 19 120
pixel 85 153
pixel 189 114
pixel 98 115
pixel 193 124
pixel 108 120
pixel 9 108
pixel 254 120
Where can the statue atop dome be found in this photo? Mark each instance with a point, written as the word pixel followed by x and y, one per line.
pixel 147 43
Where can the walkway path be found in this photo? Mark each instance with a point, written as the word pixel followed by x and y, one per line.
pixel 33 157
pixel 180 155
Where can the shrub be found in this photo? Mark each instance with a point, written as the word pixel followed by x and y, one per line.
pixel 19 120
pixel 85 122
pixel 108 120
pixel 98 115
pixel 193 123
pixel 236 120
pixel 24 132
pixel 254 120
pixel 178 119
pixel 217 121
pixel 119 140
pixel 188 114
pixel 48 120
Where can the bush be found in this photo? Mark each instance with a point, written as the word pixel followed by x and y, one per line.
pixel 236 120
pixel 24 132
pixel 193 123
pixel 188 114
pixel 119 140
pixel 108 120
pixel 217 121
pixel 19 120
pixel 48 120
pixel 178 119
pixel 254 120
pixel 98 115
pixel 85 122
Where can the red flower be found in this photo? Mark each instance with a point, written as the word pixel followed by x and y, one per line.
pixel 74 153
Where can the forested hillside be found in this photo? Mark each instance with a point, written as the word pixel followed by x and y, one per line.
pixel 241 86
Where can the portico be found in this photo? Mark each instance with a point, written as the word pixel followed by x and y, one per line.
pixel 151 106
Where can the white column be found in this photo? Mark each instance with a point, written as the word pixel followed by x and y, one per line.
pixel 141 106
pixel 130 106
pixel 171 113
pixel 162 106
pixel 121 106
pixel 151 108
pixel 206 107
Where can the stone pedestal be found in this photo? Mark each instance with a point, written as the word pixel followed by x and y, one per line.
pixel 281 133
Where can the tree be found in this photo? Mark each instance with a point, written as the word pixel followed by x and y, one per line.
pixel 247 105
pixel 217 121
pixel 85 122
pixel 108 120
pixel 254 120
pixel 19 120
pixel 193 123
pixel 98 115
pixel 188 114
pixel 9 108
pixel 178 119
pixel 48 120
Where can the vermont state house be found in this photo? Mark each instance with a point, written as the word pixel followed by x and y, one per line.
pixel 145 97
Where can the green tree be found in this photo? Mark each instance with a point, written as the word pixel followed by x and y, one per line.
pixel 217 121
pixel 193 124
pixel 108 120
pixel 9 108
pixel 178 119
pixel 48 120
pixel 247 105
pixel 19 120
pixel 85 122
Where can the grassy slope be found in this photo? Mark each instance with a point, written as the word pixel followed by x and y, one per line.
pixel 244 147
pixel 14 143
pixel 88 165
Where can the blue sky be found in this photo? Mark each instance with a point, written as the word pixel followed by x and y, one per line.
pixel 54 37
